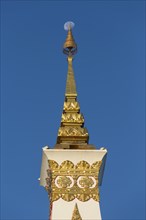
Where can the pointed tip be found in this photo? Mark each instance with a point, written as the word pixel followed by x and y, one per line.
pixel 69 25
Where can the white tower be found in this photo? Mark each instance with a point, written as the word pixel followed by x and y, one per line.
pixel 72 171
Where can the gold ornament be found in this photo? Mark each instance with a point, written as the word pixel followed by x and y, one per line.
pixel 69 42
pixel 69 181
pixel 72 131
pixel 86 182
pixel 72 118
pixel 71 106
pixel 64 182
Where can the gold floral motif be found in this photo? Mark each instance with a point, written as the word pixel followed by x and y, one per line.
pixel 71 106
pixel 72 131
pixel 82 165
pixel 84 184
pixel 66 164
pixel 72 117
pixel 64 182
pixel 76 215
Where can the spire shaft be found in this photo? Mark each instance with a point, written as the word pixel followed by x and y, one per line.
pixel 70 83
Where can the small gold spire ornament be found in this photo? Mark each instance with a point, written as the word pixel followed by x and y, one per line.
pixel 69 43
pixel 69 47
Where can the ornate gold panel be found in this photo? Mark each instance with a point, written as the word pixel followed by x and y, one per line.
pixel 69 181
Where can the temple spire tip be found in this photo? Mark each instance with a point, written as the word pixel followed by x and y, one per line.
pixel 69 47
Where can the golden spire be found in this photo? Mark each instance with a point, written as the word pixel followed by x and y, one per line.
pixel 72 129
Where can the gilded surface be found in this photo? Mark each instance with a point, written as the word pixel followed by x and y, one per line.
pixel 76 215
pixel 71 106
pixel 72 117
pixel 72 131
pixel 86 182
pixel 72 121
pixel 63 182
pixel 69 41
pixel 70 84
pixel 69 181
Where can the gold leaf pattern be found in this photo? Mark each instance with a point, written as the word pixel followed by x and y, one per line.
pixel 72 131
pixel 86 182
pixel 72 117
pixel 75 181
pixel 71 106
pixel 64 181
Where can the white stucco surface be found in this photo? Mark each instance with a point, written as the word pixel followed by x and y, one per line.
pixel 89 210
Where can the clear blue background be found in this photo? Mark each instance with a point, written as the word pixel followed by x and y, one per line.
pixel 109 71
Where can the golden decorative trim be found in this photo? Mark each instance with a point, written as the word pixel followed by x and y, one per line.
pixel 71 106
pixel 76 215
pixel 72 131
pixel 69 181
pixel 72 117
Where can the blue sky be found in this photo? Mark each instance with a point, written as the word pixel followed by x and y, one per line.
pixel 109 70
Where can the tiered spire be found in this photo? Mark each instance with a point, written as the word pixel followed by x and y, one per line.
pixel 72 129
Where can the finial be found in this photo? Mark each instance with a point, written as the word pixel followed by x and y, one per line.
pixel 69 25
pixel 69 47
